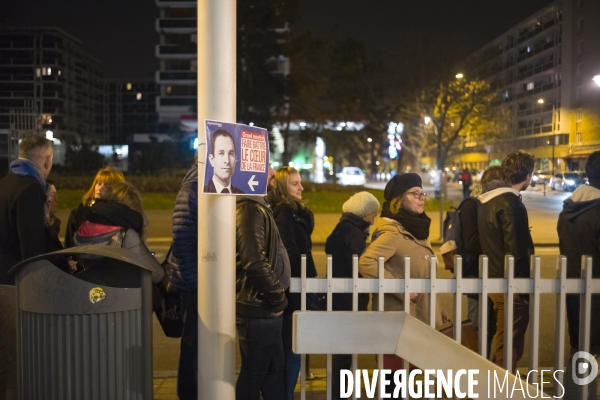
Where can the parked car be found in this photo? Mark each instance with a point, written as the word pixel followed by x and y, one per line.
pixel 351 176
pixel 568 181
pixel 541 178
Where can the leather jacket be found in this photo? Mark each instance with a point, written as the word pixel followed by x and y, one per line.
pixel 259 292
pixel 504 229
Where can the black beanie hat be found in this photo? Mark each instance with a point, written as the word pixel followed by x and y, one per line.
pixel 399 184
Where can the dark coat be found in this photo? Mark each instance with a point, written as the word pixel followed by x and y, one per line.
pixel 579 234
pixel 184 255
pixel 295 228
pixel 470 237
pixel 210 188
pixel 22 228
pixel 349 237
pixel 76 218
pixel 504 229
pixel 259 292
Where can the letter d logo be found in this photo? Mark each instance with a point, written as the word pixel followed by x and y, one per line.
pixel 579 366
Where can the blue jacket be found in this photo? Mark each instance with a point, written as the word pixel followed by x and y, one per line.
pixel 184 256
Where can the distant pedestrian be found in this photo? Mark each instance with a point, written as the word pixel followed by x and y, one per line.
pixel 22 236
pixel 104 178
pixel 504 230
pixel 404 233
pixel 578 235
pixel 470 248
pixel 295 223
pixel 467 181
pixel 262 276
pixel 349 238
pixel 184 277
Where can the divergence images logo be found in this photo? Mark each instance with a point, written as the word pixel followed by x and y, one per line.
pixel 583 363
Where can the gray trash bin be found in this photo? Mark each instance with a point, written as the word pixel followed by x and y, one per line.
pixel 85 336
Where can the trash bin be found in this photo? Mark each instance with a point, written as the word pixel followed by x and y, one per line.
pixel 84 336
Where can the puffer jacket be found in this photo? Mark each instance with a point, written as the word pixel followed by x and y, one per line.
pixel 259 291
pixel 578 235
pixel 393 242
pixel 504 229
pixel 184 256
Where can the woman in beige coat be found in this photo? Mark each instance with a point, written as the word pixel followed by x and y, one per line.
pixel 403 234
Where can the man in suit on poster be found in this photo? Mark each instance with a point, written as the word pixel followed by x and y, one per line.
pixel 222 159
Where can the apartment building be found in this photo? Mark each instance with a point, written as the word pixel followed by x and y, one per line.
pixel 129 108
pixel 543 69
pixel 176 78
pixel 47 65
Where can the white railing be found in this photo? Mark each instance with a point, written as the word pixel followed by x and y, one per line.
pixel 509 285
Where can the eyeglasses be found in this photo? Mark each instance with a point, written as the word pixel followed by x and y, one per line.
pixel 418 195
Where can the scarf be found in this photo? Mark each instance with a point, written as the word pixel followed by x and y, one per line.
pixel 416 224
pixel 24 167
pixel 117 214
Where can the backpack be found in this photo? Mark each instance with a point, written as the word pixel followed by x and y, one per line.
pixel 453 239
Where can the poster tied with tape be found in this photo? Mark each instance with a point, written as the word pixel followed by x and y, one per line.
pixel 237 159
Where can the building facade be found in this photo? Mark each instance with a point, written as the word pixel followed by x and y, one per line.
pixel 543 69
pixel 177 51
pixel 47 65
pixel 129 108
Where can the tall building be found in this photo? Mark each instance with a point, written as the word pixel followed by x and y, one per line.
pixel 177 54
pixel 543 69
pixel 47 65
pixel 129 108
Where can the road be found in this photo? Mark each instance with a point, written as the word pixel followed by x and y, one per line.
pixel 543 215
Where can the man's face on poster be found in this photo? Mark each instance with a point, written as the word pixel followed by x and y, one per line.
pixel 222 159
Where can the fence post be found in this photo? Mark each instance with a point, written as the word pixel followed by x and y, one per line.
pixel 534 317
pixel 329 308
pixel 303 308
pixel 559 327
pixel 354 308
pixel 405 362
pixel 509 275
pixel 380 298
pixel 585 311
pixel 458 299
pixel 432 290
pixel 483 307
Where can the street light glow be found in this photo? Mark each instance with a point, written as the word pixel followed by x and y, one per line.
pixel 427 120
pixel 459 76
pixel 541 101
pixel 597 79
pixel 369 140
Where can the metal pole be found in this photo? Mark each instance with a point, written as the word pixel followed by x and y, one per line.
pixel 216 38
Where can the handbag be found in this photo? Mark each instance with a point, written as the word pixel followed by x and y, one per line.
pixel 468 337
pixel 166 303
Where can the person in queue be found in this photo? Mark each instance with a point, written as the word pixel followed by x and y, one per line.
pixel 104 178
pixel 404 233
pixel 295 223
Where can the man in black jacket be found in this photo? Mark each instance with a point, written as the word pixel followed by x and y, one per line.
pixel 579 234
pixel 504 230
pixel 262 276
pixel 22 236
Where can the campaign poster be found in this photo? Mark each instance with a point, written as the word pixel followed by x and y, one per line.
pixel 237 159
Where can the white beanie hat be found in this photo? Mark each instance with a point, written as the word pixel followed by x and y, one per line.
pixel 361 204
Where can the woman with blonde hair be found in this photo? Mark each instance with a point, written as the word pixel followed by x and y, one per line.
pixel 117 219
pixel 404 233
pixel 295 223
pixel 104 178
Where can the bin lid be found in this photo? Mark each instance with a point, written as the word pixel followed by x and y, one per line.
pixel 115 253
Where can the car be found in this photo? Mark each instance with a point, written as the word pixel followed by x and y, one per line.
pixel 351 176
pixel 568 181
pixel 541 178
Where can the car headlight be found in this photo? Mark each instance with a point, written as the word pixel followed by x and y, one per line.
pixel 570 182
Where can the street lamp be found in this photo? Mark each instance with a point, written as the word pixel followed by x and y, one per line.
pixel 596 79
pixel 459 76
pixel 427 120
pixel 369 140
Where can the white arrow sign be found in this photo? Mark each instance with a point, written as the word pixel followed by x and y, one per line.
pixel 252 182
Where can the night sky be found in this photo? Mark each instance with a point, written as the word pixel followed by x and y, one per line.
pixel 121 32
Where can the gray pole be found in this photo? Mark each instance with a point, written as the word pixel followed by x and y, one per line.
pixel 216 38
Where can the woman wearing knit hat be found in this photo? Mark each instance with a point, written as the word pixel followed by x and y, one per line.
pixel 404 234
pixel 348 238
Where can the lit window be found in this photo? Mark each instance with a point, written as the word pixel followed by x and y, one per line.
pixel 530 85
pixel 38 72
pixel 578 138
pixel 578 115
pixel 169 88
pixel 528 49
pixel 138 96
pixel 49 71
pixel 129 86
pixel 59 72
